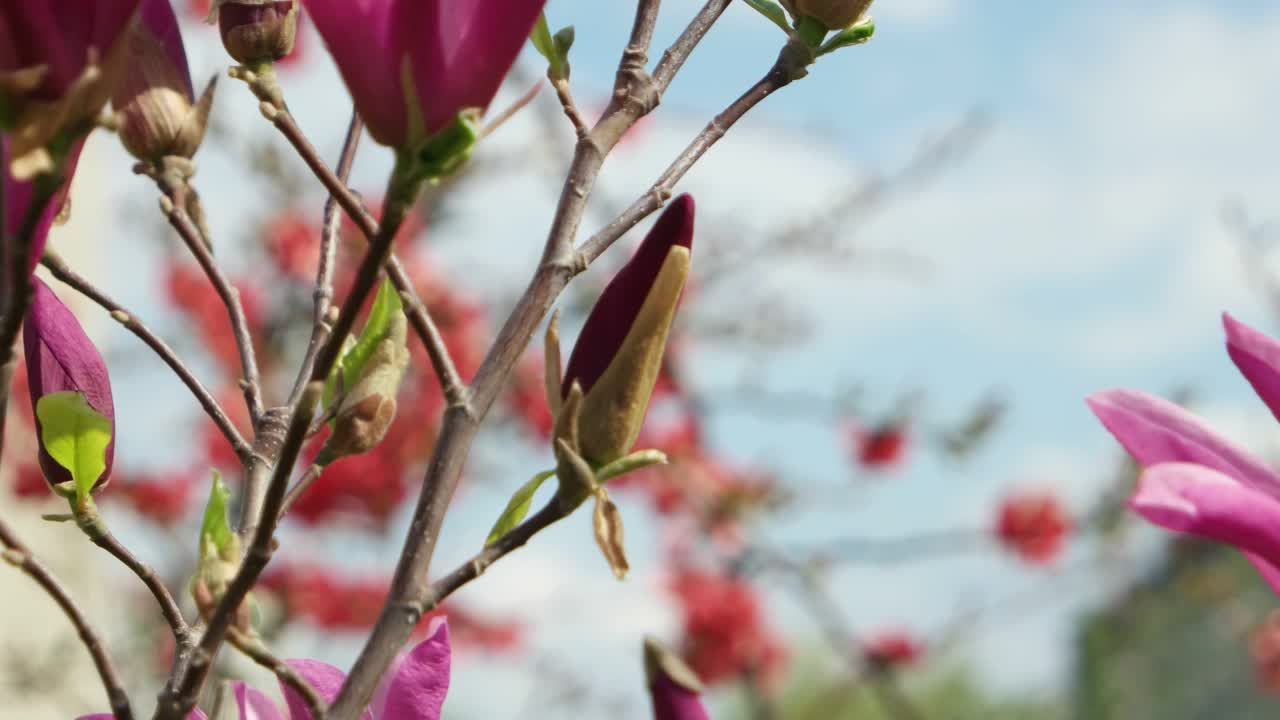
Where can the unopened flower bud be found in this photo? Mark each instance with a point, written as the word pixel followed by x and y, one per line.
pixel 673 686
pixel 61 358
pixel 257 31
pixel 369 407
pixel 157 110
pixel 619 353
pixel 834 14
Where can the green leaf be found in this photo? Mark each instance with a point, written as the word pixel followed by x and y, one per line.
pixel 448 150
pixel 553 48
pixel 541 39
pixel 76 436
pixel 216 528
pixel 773 11
pixel 517 507
pixel 351 365
pixel 856 35
pixel 634 461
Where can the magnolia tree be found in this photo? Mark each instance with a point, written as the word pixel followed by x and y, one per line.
pixel 396 368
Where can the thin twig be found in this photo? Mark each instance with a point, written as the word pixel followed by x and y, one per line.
pixel 473 568
pixel 558 265
pixel 323 294
pixel 176 703
pixel 510 111
pixel 63 272
pixel 308 478
pixel 173 204
pixel 18 555
pixel 778 77
pixel 451 384
pixel 254 650
pixel 580 127
pixel 100 535
pixel 844 641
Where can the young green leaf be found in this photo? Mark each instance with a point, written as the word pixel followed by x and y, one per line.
pixel 216 528
pixel 629 463
pixel 553 48
pixel 76 436
pixel 351 364
pixel 856 35
pixel 517 508
pixel 541 39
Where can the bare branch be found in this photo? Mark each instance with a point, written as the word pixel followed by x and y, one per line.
pixel 174 204
pixel 323 295
pixel 253 649
pixel 18 555
pixel 63 272
pixel 176 703
pixel 454 389
pixel 96 529
pixel 558 265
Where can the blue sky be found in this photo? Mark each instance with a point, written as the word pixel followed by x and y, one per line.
pixel 1078 246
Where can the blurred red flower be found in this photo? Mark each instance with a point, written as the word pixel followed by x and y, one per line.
pixel 893 648
pixel 724 632
pixel 1033 525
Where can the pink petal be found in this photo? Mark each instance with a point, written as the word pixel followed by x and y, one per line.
pixel 158 19
pixel 1269 570
pixel 1257 356
pixel 18 196
pixel 254 705
pixel 674 702
pixel 476 43
pixel 365 38
pixel 325 678
pixel 421 681
pixel 611 317
pixel 1156 431
pixel 1193 499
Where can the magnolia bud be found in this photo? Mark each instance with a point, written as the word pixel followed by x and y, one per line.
pixel 618 355
pixel 257 31
pixel 369 407
pixel 61 358
pixel 673 686
pixel 158 115
pixel 834 14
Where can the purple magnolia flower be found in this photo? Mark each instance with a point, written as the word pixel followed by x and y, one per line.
pixel 673 686
pixel 414 690
pixel 413 65
pixel 1193 480
pixel 155 100
pixel 61 357
pixel 619 353
pixel 47 50
pixel 193 715
pixel 18 195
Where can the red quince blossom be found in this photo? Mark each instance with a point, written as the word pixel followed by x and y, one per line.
pixel 724 630
pixel 881 447
pixel 1033 525
pixel 893 648
pixel 1264 648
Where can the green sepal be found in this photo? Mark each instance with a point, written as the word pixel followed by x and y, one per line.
pixel 630 463
pixel 76 436
pixel 856 35
pixel 448 150
pixel 811 30
pixel 773 11
pixel 215 529
pixel 517 507
pixel 386 305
